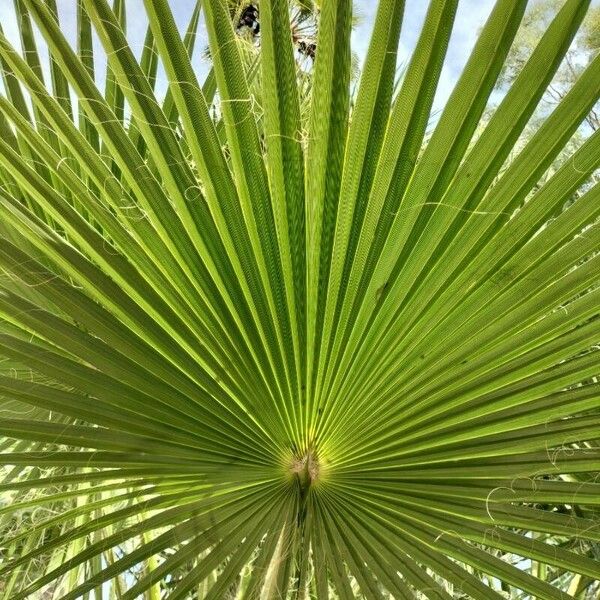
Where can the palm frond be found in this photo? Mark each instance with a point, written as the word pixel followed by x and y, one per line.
pixel 265 337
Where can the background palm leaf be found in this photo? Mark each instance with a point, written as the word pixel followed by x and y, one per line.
pixel 270 339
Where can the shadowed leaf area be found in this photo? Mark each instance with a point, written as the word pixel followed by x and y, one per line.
pixel 273 329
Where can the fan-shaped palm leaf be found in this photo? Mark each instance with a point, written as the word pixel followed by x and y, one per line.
pixel 252 355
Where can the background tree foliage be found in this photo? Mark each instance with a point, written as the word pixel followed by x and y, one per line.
pixel 585 46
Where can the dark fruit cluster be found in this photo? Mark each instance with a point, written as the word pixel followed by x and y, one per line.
pixel 249 19
pixel 307 48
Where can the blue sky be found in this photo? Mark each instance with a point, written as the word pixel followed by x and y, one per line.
pixel 470 17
